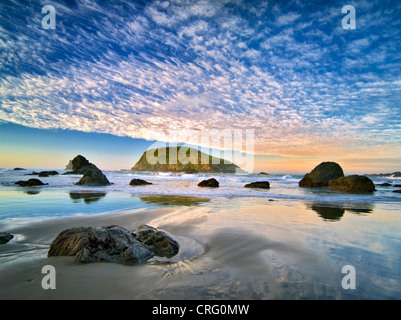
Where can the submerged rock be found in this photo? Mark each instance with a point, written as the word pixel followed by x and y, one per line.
pixel 212 183
pixel 113 244
pixel 353 183
pixel 139 182
pixel 5 237
pixel 30 183
pixel 321 175
pixel 259 184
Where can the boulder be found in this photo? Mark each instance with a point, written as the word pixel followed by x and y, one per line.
pixel 113 244
pixel 212 183
pixel 5 237
pixel 100 244
pixel 321 175
pixel 92 175
pixel 259 184
pixel 138 182
pixel 397 191
pixel 163 244
pixel 47 173
pixel 78 163
pixel 397 186
pixel 353 183
pixel 30 183
pixel 263 174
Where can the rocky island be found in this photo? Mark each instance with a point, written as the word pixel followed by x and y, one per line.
pixel 182 159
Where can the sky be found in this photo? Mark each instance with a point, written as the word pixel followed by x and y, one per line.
pixel 113 76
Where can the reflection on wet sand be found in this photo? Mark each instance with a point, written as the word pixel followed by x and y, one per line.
pixel 334 212
pixel 88 197
pixel 171 200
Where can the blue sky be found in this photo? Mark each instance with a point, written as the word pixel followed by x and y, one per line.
pixel 311 90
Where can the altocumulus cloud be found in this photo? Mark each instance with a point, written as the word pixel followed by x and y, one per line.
pixel 286 69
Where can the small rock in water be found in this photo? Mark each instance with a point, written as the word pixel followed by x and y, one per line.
pixel 138 182
pixel 212 183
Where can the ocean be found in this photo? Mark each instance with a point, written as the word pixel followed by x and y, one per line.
pixel 285 242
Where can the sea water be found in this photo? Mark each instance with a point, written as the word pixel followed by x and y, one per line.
pixel 282 242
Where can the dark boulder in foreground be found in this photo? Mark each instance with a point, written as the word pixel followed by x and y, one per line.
pixel 139 182
pixel 5 237
pixel 47 173
pixel 30 183
pixel 92 175
pixel 321 175
pixel 163 244
pixel 259 184
pixel 112 244
pixel 212 183
pixel 353 183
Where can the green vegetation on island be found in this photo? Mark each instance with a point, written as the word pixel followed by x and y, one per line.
pixel 182 159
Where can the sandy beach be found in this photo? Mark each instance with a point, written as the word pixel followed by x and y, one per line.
pixel 240 248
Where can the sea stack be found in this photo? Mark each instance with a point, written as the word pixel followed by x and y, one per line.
pixel 211 183
pixel 92 175
pixel 321 175
pixel 353 183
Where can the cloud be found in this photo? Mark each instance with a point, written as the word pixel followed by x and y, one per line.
pixel 132 69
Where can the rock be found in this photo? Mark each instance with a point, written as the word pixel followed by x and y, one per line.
pixel 113 244
pixel 78 163
pixel 18 169
pixel 397 191
pixel 47 173
pixel 397 186
pixel 68 166
pixel 259 184
pixel 212 183
pixel 182 159
pixel 5 237
pixel 353 183
pixel 384 184
pixel 397 174
pixel 100 244
pixel 138 182
pixel 33 173
pixel 163 244
pixel 263 174
pixel 30 183
pixel 321 175
pixel 92 175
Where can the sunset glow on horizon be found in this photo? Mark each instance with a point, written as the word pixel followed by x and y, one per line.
pixel 111 76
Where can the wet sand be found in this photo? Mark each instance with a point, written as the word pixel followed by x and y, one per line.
pixel 231 249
